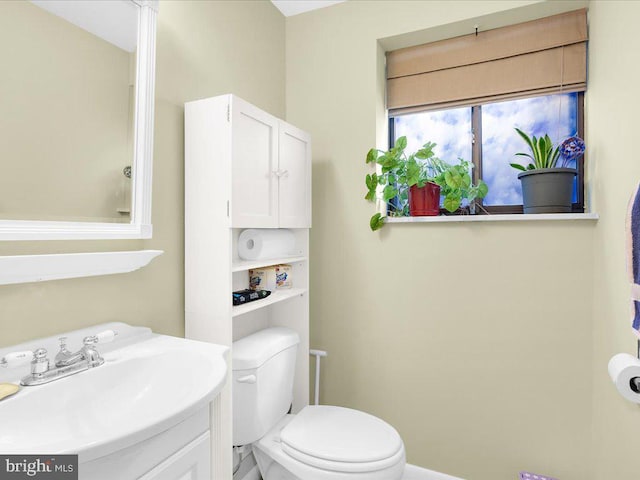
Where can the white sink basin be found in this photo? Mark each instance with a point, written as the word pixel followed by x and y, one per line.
pixel 147 384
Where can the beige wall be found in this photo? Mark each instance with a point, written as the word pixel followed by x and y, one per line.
pixel 612 110
pixel 473 340
pixel 203 49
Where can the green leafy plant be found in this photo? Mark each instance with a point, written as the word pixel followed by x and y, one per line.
pixel 456 184
pixel 543 154
pixel 399 172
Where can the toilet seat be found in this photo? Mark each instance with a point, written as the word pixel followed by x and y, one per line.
pixel 340 439
pixel 276 464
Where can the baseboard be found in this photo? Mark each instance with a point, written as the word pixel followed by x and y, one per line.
pixel 413 472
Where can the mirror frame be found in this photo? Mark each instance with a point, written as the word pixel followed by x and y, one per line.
pixel 142 165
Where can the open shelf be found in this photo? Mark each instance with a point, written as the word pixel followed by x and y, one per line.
pixel 39 268
pixel 240 265
pixel 275 297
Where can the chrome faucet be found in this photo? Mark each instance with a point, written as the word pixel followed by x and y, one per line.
pixel 65 363
pixel 88 353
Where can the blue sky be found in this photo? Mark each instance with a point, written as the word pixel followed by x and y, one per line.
pixel 450 129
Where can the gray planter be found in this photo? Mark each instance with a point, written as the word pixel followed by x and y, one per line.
pixel 547 190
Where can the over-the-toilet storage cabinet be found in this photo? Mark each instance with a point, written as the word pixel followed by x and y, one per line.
pixel 244 168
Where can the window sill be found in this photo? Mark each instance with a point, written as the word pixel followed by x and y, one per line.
pixel 496 218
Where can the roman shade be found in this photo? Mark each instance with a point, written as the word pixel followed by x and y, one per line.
pixel 542 56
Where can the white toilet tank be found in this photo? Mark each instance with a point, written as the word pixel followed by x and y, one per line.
pixel 263 366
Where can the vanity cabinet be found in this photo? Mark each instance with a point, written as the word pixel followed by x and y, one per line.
pixel 189 463
pixel 244 168
pixel 183 452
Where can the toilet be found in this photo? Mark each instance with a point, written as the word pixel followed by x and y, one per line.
pixel 321 442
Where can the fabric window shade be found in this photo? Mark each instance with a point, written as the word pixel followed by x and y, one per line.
pixel 538 57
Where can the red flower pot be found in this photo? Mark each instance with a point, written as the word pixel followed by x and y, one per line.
pixel 424 201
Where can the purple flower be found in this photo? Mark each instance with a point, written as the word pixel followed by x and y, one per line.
pixel 572 148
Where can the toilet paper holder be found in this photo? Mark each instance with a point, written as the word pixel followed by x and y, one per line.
pixel 635 381
pixel 624 370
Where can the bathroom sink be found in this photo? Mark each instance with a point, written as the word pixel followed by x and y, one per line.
pixel 147 384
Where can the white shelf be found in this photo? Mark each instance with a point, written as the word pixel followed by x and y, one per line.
pixel 275 297
pixel 495 218
pixel 39 268
pixel 240 265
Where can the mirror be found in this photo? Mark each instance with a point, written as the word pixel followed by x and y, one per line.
pixel 77 118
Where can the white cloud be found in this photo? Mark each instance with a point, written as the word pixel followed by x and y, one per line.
pixel 449 129
pixel 555 115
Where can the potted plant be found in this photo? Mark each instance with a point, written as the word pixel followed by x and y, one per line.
pixel 547 187
pixel 413 184
pixel 404 180
pixel 424 192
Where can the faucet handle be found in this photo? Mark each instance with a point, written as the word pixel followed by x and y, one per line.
pixel 102 337
pixel 39 354
pixel 106 336
pixel 16 359
pixel 40 362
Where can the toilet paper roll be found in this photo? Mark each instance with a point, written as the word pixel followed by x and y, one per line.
pixel 261 244
pixel 623 369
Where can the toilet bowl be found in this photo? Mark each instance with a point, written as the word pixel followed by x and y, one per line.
pixel 320 442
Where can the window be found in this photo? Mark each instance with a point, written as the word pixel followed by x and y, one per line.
pixel 485 135
pixel 467 93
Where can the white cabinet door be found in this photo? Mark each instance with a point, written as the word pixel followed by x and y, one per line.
pixel 193 462
pixel 294 172
pixel 254 159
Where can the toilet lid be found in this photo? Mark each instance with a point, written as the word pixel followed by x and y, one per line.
pixel 341 439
